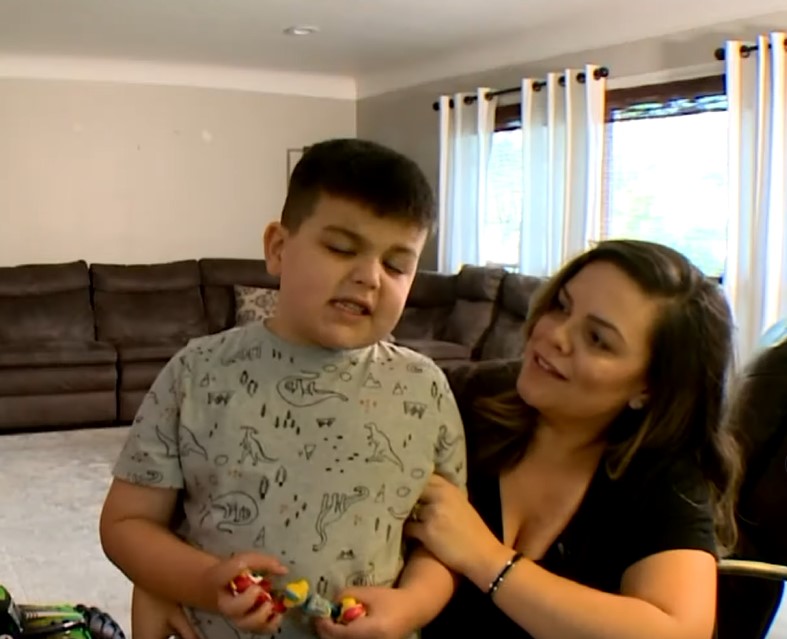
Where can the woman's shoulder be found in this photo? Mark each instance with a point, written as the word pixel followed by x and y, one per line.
pixel 655 470
pixel 663 503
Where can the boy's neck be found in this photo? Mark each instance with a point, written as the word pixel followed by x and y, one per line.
pixel 277 327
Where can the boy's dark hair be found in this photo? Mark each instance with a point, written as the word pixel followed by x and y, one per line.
pixel 388 183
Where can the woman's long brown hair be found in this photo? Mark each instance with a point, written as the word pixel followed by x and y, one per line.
pixel 691 361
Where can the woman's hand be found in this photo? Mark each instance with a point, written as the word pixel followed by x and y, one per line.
pixel 450 528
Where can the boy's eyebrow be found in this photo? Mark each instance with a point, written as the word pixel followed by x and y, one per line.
pixel 360 239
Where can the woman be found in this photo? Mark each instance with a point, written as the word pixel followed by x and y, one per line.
pixel 601 487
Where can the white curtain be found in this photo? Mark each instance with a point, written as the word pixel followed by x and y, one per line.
pixel 466 130
pixel 562 159
pixel 755 278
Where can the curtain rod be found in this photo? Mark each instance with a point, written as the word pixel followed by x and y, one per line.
pixel 600 72
pixel 746 49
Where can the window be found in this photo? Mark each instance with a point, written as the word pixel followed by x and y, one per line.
pixel 665 173
pixel 499 244
pixel 666 168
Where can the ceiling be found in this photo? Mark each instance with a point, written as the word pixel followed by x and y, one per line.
pixel 380 43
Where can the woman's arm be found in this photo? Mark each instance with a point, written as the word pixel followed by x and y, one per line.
pixel 669 595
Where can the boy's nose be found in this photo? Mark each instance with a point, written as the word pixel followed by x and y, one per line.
pixel 367 273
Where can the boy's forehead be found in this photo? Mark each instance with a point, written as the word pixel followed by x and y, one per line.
pixel 341 215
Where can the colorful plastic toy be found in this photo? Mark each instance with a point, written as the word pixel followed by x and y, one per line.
pixel 297 594
pixel 58 621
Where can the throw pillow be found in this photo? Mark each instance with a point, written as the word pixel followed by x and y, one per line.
pixel 254 304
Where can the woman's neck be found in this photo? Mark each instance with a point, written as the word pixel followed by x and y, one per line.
pixel 573 443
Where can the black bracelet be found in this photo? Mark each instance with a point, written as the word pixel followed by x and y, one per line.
pixel 499 579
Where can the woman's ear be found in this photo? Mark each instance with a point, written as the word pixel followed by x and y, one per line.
pixel 273 241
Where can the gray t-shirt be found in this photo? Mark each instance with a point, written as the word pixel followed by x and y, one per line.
pixel 315 456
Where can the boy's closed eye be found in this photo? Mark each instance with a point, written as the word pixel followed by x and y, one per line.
pixel 340 250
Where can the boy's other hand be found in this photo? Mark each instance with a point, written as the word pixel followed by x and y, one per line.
pixel 242 609
pixel 389 615
pixel 155 618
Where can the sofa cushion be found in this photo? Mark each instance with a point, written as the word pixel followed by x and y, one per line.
pixel 431 289
pixel 477 290
pixel 431 298
pixel 253 304
pixel 479 283
pixel 139 375
pixel 148 303
pixel 140 278
pixel 436 349
pixel 154 352
pixel 35 354
pixel 219 276
pixel 41 279
pixel 154 317
pixel 506 337
pixel 24 381
pixel 45 302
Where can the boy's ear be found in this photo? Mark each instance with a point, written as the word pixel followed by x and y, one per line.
pixel 273 241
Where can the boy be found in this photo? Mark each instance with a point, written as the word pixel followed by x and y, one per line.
pixel 304 442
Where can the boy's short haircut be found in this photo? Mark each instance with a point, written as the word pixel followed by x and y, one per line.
pixel 388 183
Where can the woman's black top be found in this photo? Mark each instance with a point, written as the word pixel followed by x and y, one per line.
pixel 658 504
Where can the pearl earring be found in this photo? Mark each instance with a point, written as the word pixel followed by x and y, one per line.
pixel 636 404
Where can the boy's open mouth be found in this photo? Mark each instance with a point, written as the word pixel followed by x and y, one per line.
pixel 357 307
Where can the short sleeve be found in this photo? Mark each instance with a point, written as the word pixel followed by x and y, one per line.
pixel 150 455
pixel 450 446
pixel 672 512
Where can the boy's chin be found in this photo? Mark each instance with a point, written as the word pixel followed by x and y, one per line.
pixel 346 340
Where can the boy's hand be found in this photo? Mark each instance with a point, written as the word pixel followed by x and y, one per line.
pixel 242 609
pixel 389 615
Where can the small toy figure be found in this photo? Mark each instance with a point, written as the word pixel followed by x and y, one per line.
pixel 297 594
pixel 349 610
pixel 247 579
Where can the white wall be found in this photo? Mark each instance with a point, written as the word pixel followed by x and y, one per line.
pixel 130 173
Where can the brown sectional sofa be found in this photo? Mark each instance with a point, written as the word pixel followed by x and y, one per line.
pixel 148 313
pixel 53 371
pixel 82 344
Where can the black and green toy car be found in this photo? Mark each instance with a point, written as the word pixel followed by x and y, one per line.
pixel 58 621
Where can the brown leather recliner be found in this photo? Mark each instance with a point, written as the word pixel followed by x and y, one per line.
pixel 148 312
pixel 52 369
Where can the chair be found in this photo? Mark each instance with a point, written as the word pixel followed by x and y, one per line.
pixel 751 582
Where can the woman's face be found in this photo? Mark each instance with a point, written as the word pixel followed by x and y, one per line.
pixel 588 355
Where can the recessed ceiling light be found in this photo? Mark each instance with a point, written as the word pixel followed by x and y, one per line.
pixel 301 30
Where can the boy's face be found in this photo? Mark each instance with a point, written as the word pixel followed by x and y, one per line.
pixel 345 274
